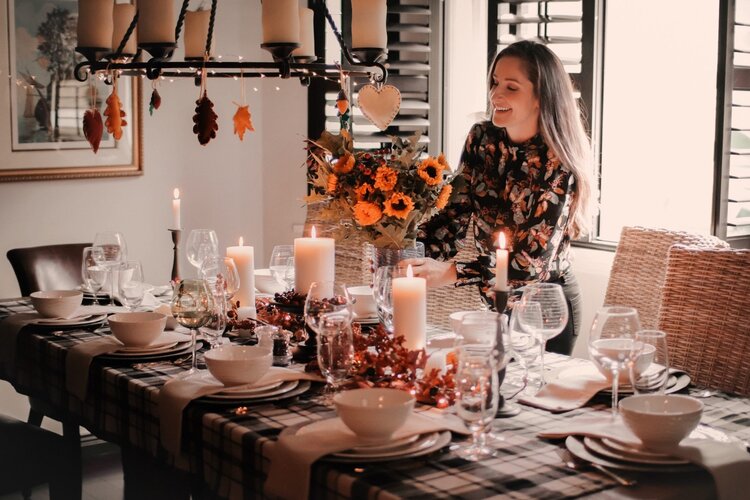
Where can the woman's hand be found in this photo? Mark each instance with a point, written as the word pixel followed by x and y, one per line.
pixel 437 273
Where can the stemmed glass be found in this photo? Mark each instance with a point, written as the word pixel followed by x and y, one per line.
pixel 201 244
pixel 612 342
pixel 114 252
pixel 130 284
pixel 477 390
pixel 554 315
pixel 327 298
pixel 282 265
pixel 192 305
pixel 649 372
pixel 335 352
pixel 217 321
pixel 94 275
pixel 222 275
pixel 524 344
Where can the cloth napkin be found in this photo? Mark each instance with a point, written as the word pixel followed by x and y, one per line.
pixel 178 393
pixel 9 328
pixel 78 362
pixel 293 454
pixel 566 394
pixel 728 463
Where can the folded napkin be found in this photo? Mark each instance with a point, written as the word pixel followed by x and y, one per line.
pixel 78 362
pixel 178 393
pixel 292 455
pixel 9 328
pixel 728 463
pixel 97 309
pixel 566 394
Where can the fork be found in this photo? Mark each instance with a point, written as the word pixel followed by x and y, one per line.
pixel 152 364
pixel 575 463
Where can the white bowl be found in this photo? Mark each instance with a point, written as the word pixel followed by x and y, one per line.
pixel 137 329
pixel 364 301
pixel 266 283
pixel 374 414
pixel 166 310
pixel 57 303
pixel 456 319
pixel 237 364
pixel 661 421
pixel 642 362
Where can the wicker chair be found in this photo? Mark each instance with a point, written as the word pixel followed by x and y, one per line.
pixel 705 308
pixel 640 264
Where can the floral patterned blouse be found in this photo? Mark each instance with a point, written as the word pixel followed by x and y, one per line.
pixel 520 189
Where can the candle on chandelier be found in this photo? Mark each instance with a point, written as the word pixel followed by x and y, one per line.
pixel 314 260
pixel 368 24
pixel 196 32
pixel 281 21
pixel 156 21
pixel 501 264
pixel 410 310
pixel 176 209
pixel 307 34
pixel 123 15
pixel 244 259
pixel 95 23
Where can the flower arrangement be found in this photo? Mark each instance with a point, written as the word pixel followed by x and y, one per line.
pixel 387 193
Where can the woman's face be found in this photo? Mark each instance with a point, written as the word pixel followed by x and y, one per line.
pixel 514 103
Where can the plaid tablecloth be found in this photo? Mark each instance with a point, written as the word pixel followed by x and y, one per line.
pixel 224 445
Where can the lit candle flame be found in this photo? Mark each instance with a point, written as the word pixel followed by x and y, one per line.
pixel 501 241
pixel 409 272
pixel 242 242
pixel 312 232
pixel 176 194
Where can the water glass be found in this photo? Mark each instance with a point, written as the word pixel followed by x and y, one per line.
pixel 282 265
pixel 192 305
pixel 327 298
pixel 217 320
pixel 114 253
pixel 523 343
pixel 477 394
pixel 335 351
pixel 201 244
pixel 130 284
pixel 382 290
pixel 94 275
pixel 222 275
pixel 649 372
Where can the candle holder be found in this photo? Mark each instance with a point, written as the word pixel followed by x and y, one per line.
pixel 505 409
pixel 175 254
pixel 93 54
pixel 282 54
pixel 370 55
pixel 162 51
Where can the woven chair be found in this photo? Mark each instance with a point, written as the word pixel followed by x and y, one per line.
pixel 640 264
pixel 705 310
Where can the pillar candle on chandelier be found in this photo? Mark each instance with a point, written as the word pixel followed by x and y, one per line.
pixel 156 21
pixel 196 31
pixel 281 21
pixel 123 15
pixel 95 23
pixel 368 24
pixel 307 34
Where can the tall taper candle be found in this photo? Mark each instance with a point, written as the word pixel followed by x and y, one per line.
pixel 410 310
pixel 314 260
pixel 95 23
pixel 501 264
pixel 176 209
pixel 244 258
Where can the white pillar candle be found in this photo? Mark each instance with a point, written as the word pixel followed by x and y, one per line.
pixel 156 21
pixel 123 16
pixel 501 265
pixel 95 23
pixel 307 34
pixel 368 24
pixel 410 310
pixel 244 258
pixel 281 21
pixel 196 31
pixel 314 260
pixel 176 209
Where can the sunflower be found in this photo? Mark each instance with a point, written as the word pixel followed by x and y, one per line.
pixel 333 182
pixel 443 197
pixel 364 190
pixel 385 178
pixel 398 205
pixel 431 171
pixel 367 213
pixel 344 164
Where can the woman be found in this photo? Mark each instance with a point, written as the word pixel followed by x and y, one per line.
pixel 523 173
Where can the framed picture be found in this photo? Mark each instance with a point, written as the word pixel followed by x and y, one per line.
pixel 42 104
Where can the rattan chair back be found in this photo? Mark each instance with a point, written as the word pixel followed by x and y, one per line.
pixel 640 265
pixel 705 310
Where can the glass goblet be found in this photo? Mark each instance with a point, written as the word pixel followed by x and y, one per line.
pixel 221 273
pixel 335 352
pixel 477 399
pixel 115 252
pixel 327 298
pixel 612 342
pixel 282 265
pixel 554 315
pixel 524 344
pixel 217 321
pixel 130 284
pixel 201 244
pixel 649 371
pixel 94 275
pixel 192 303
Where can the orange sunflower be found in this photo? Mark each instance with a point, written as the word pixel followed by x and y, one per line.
pixel 344 164
pixel 385 178
pixel 367 213
pixel 443 197
pixel 431 171
pixel 333 182
pixel 364 190
pixel 398 205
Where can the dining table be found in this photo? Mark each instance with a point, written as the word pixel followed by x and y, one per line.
pixel 225 444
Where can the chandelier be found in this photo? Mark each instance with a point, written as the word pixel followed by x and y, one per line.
pixel 288 34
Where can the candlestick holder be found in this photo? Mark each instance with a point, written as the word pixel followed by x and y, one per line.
pixel 175 253
pixel 505 409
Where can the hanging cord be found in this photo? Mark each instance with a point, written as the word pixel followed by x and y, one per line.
pixel 180 20
pixel 211 20
pixel 126 37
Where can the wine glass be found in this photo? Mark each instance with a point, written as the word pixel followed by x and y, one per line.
pixel 217 321
pixel 221 274
pixel 282 265
pixel 94 275
pixel 327 298
pixel 335 352
pixel 612 342
pixel 649 372
pixel 192 304
pixel 554 315
pixel 115 252
pixel 524 344
pixel 201 244
pixel 130 285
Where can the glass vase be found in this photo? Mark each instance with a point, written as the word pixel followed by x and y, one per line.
pixel 392 256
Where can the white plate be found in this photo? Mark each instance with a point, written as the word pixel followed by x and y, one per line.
pixel 422 442
pixel 303 387
pixel 626 454
pixel 253 389
pixel 179 347
pixel 165 339
pixel 439 441
pixel 287 386
pixel 147 350
pixel 367 321
pixel 88 319
pixel 576 447
pixel 677 381
pixel 377 448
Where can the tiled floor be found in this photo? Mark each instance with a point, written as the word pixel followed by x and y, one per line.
pixel 102 473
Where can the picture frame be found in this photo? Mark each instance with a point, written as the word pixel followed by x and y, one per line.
pixel 42 104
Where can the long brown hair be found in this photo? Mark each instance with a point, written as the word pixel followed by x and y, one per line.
pixel 560 121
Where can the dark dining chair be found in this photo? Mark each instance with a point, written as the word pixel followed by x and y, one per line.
pixel 49 267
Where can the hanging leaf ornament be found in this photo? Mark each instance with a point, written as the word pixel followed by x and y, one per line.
pixel 114 113
pixel 205 120
pixel 342 102
pixel 242 121
pixel 93 128
pixel 155 102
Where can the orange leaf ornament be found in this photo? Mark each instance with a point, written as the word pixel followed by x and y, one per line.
pixel 115 115
pixel 205 120
pixel 242 121
pixel 93 128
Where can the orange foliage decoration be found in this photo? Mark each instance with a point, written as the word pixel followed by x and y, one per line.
pixel 114 113
pixel 242 121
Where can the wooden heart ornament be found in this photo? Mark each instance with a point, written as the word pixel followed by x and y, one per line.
pixel 379 105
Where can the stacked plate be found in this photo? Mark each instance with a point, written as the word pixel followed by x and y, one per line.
pixel 272 391
pixel 616 455
pixel 677 381
pixel 168 344
pixel 75 321
pixel 374 320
